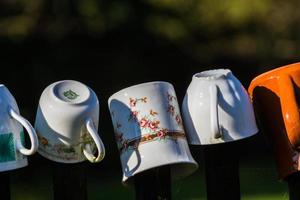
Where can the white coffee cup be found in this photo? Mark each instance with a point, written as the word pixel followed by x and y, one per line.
pixel 12 151
pixel 217 109
pixel 67 123
pixel 149 131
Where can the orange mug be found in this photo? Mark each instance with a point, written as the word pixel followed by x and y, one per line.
pixel 275 94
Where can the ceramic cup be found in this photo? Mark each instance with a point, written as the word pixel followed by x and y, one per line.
pixel 217 109
pixel 149 131
pixel 12 151
pixel 67 123
pixel 275 96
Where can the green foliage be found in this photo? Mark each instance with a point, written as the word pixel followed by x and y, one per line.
pixel 22 137
pixel 253 28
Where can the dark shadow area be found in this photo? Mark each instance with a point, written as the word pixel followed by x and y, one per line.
pixel 267 106
pixel 109 45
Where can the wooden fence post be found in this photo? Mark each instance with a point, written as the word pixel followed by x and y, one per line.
pixel 69 181
pixel 294 186
pixel 4 185
pixel 154 184
pixel 222 171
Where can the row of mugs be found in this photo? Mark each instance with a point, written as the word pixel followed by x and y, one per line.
pixel 148 126
pixel 147 123
pixel 150 131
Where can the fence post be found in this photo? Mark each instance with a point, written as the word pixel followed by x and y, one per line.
pixel 69 181
pixel 154 184
pixel 222 171
pixel 294 186
pixel 4 185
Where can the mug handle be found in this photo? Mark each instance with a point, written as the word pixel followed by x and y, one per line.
pixel 87 151
pixel 30 130
pixel 214 115
pixel 290 110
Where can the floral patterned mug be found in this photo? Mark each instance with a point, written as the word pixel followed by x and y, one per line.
pixel 149 131
pixel 12 151
pixel 67 123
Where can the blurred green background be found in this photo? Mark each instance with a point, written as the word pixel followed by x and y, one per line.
pixel 109 45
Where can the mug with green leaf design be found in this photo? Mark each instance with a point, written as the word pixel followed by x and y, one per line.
pixel 67 123
pixel 12 151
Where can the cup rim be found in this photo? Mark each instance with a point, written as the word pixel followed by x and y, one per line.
pixel 179 161
pixel 212 74
pixel 137 86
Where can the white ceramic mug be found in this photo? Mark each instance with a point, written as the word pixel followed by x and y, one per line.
pixel 149 131
pixel 217 109
pixel 67 123
pixel 12 151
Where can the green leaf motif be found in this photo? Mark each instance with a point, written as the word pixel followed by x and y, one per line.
pixel 7 149
pixel 70 94
pixel 22 138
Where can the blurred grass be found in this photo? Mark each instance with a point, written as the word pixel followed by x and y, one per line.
pixel 258 180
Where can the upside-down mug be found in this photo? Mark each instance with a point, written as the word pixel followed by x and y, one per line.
pixel 217 109
pixel 12 151
pixel 67 123
pixel 275 96
pixel 148 129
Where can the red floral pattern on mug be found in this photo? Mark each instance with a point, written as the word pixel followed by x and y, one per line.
pixel 171 110
pixel 133 116
pixel 178 119
pixel 119 136
pixel 149 124
pixel 143 122
pixel 162 133
pixel 132 102
pixel 153 113
pixel 153 125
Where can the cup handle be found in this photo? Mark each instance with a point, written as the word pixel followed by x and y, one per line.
pixel 99 144
pixel 30 130
pixel 290 110
pixel 214 115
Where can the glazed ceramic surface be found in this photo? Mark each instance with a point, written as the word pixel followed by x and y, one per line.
pixel 12 151
pixel 149 131
pixel 67 123
pixel 217 109
pixel 275 96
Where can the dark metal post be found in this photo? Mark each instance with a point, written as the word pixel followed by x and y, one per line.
pixel 294 186
pixel 4 185
pixel 222 171
pixel 69 181
pixel 154 184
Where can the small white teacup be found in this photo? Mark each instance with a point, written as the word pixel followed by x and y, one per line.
pixel 217 109
pixel 12 151
pixel 67 123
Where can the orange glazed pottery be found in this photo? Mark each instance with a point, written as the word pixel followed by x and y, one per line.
pixel 275 95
